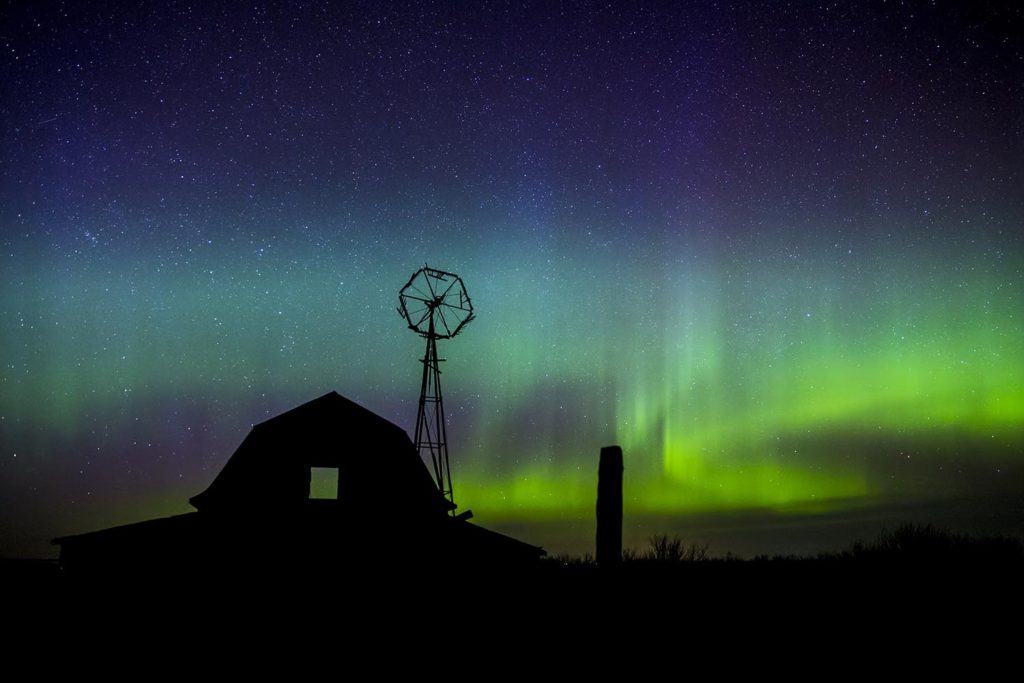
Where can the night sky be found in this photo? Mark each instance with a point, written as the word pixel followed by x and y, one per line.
pixel 773 250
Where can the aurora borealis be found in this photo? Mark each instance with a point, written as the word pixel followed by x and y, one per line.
pixel 775 253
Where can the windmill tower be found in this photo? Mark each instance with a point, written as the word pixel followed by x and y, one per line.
pixel 436 306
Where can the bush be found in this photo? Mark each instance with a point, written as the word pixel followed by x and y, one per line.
pixel 927 542
pixel 672 550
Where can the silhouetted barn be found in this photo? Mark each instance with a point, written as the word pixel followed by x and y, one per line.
pixel 377 464
pixel 258 514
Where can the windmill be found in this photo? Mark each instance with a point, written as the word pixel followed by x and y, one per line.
pixel 436 306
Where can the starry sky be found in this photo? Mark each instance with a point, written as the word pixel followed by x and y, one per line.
pixel 773 250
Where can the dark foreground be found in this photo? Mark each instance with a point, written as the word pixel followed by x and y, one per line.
pixel 647 618
pixel 921 600
pixel 916 575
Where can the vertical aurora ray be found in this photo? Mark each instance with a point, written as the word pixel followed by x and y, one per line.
pixel 743 384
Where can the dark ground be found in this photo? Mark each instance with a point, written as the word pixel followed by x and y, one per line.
pixel 823 617
pixel 919 574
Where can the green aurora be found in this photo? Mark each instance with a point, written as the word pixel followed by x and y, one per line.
pixel 794 398
pixel 796 381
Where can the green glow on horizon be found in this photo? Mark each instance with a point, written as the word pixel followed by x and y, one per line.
pixel 720 413
pixel 727 385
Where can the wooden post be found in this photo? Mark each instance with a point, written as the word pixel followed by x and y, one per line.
pixel 609 506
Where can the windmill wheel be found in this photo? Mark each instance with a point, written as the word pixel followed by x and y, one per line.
pixel 435 303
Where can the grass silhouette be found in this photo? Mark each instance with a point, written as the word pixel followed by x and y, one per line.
pixel 927 543
pixel 907 543
pixel 663 549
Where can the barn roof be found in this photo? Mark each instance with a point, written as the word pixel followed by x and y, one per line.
pixel 377 463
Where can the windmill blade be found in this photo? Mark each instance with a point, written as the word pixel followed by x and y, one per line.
pixel 440 314
pixel 425 315
pixel 462 326
pixel 419 291
pixel 454 282
pixel 430 287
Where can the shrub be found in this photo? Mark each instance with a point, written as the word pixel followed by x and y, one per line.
pixel 928 542
pixel 670 550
